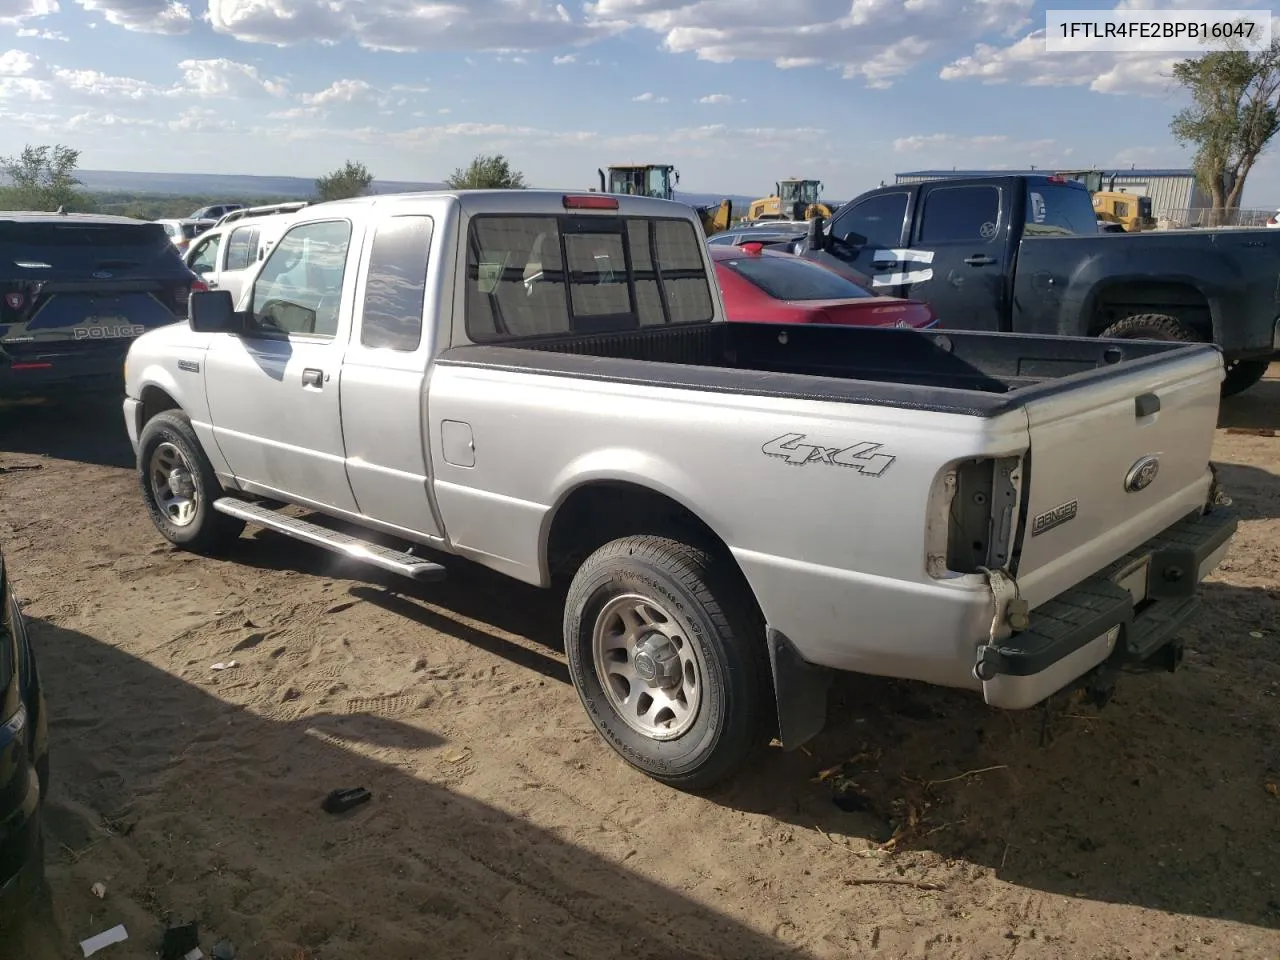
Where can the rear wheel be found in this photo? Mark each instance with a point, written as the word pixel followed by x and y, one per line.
pixel 1240 374
pixel 668 659
pixel 1152 326
pixel 179 485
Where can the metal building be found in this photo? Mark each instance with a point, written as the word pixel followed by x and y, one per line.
pixel 1176 198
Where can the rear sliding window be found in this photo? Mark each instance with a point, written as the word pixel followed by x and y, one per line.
pixel 40 248
pixel 531 276
pixel 784 278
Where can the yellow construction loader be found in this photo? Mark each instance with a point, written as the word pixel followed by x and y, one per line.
pixel 793 199
pixel 1131 210
pixel 659 180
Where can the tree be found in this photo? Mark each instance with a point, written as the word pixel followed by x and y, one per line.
pixel 487 173
pixel 1234 113
pixel 350 180
pixel 44 178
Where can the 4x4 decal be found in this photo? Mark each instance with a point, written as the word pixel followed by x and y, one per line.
pixel 860 456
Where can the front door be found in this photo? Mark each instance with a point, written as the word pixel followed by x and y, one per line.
pixel 867 236
pixel 273 390
pixel 960 242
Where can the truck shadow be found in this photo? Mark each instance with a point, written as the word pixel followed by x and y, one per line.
pixel 85 429
pixel 1159 800
pixel 212 810
pixel 1254 492
pixel 1256 408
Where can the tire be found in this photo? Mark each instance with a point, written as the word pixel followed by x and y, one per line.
pixel 1152 326
pixel 1240 374
pixel 167 443
pixel 1243 374
pixel 684 601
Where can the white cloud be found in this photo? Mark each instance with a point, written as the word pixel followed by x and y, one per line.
pixel 14 12
pixel 15 63
pixel 340 91
pixel 567 58
pixel 97 84
pixel 875 40
pixel 444 110
pixel 143 16
pixel 226 78
pixel 42 34
pixel 716 98
pixel 986 151
pixel 407 25
pixel 24 88
pixel 1025 62
pixel 647 97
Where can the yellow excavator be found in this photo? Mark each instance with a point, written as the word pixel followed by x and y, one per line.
pixel 659 180
pixel 1131 210
pixel 793 199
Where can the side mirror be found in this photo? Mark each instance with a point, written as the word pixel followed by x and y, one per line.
pixel 212 311
pixel 816 239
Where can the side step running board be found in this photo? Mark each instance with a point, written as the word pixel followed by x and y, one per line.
pixel 386 558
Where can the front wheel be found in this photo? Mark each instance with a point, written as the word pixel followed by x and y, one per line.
pixel 667 654
pixel 1243 374
pixel 179 485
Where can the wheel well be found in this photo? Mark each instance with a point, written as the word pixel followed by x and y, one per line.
pixel 594 514
pixel 155 400
pixel 1179 300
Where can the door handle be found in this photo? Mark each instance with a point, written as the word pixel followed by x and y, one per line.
pixel 311 377
pixel 211 284
pixel 979 260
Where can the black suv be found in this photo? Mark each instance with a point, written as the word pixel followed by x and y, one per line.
pixel 75 290
pixel 24 758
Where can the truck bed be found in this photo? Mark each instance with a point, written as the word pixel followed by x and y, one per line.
pixel 968 372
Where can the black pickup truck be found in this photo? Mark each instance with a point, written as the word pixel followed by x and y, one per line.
pixel 1024 254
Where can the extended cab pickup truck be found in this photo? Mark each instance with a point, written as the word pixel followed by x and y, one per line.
pixel 545 384
pixel 1024 254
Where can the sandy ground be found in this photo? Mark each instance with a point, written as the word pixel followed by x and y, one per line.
pixel 502 827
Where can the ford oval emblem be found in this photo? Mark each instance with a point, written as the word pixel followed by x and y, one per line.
pixel 102 275
pixel 1141 474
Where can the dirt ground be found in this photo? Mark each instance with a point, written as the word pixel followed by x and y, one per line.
pixel 502 827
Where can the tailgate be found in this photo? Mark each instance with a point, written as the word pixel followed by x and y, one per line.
pixel 1114 462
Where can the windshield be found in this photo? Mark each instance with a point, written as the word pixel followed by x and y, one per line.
pixel 788 278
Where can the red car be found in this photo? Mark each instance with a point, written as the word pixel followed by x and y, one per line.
pixel 769 286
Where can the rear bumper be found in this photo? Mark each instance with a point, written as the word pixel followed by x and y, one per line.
pixel 46 375
pixel 1129 611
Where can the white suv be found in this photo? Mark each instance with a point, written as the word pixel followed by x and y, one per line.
pixel 222 256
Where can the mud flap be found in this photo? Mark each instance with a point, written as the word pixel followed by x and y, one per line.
pixel 801 692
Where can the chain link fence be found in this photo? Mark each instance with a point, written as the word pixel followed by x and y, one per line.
pixel 1206 217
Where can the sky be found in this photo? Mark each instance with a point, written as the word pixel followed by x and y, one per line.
pixel 735 93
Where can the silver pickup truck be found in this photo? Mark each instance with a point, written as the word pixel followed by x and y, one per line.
pixel 545 384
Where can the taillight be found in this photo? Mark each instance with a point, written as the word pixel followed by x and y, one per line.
pixel 199 286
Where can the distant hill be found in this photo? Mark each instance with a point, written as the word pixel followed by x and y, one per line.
pixel 220 184
pixel 244 186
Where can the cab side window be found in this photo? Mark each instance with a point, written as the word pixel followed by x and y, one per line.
pixel 876 221
pixel 299 290
pixel 205 259
pixel 960 214
pixel 396 284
